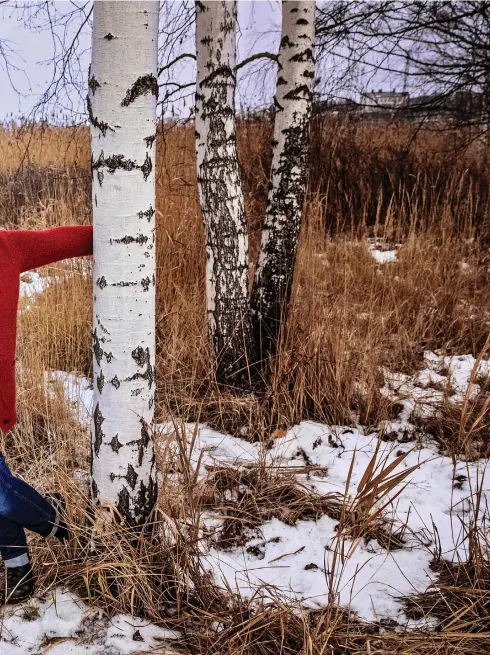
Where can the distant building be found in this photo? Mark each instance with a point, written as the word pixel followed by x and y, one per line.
pixel 382 101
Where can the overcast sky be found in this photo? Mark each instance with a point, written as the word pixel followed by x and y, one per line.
pixel 30 45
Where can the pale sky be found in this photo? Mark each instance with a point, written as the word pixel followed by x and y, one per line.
pixel 31 48
pixel 31 45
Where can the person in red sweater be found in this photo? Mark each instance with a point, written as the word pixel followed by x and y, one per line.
pixel 21 506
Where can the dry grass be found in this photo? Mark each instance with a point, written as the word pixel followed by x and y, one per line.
pixel 349 317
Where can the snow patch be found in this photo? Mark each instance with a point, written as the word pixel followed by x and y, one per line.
pixel 78 392
pixel 381 252
pixel 63 624
pixel 295 561
pixel 32 283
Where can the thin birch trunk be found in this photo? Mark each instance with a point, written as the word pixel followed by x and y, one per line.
pixel 121 102
pixel 293 102
pixel 220 191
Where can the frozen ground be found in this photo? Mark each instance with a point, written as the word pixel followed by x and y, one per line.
pixel 383 253
pixel 62 625
pixel 433 503
pixel 32 283
pixel 296 561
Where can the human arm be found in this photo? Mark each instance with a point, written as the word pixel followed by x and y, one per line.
pixel 37 248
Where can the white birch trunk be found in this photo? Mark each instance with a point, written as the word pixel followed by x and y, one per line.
pixel 220 191
pixel 121 102
pixel 293 102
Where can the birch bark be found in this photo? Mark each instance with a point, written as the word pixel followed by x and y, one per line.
pixel 293 102
pixel 220 191
pixel 121 103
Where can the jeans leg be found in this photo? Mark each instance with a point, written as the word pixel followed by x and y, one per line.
pixel 23 505
pixel 13 543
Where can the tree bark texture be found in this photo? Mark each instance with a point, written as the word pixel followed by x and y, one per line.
pixel 293 102
pixel 121 101
pixel 220 190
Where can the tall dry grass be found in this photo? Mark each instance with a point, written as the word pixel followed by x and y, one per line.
pixel 349 318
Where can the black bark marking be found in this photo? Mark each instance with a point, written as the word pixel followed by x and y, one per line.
pixel 150 140
pixel 115 382
pixel 100 177
pixel 147 167
pixel 109 37
pixel 100 382
pixel 146 498
pixel 99 435
pixel 132 477
pixel 148 214
pixel 97 348
pixel 143 85
pixel 124 284
pixel 102 327
pixel 142 442
pixel 306 55
pixel 93 120
pixel 302 21
pixel 115 444
pixel 141 239
pixel 301 92
pixel 95 489
pixel 145 283
pixel 109 357
pixel 123 503
pixel 142 358
pixel 93 85
pixel 276 104
pixel 145 434
pixel 136 392
pixel 114 163
pixel 101 282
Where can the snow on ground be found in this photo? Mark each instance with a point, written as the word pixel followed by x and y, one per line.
pixel 384 256
pixel 444 379
pixel 77 390
pixel 61 624
pixel 32 283
pixel 382 253
pixel 296 561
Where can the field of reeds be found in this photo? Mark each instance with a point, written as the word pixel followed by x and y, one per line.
pixel 423 192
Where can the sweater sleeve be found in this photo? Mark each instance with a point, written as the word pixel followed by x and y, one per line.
pixel 40 247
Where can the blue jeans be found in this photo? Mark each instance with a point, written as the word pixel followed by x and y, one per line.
pixel 21 507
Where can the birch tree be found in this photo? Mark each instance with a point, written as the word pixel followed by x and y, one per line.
pixel 121 102
pixel 293 102
pixel 220 190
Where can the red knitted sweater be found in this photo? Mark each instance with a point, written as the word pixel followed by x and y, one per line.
pixel 23 250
